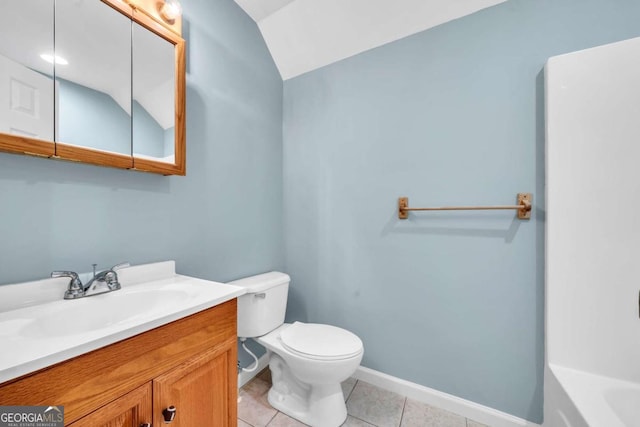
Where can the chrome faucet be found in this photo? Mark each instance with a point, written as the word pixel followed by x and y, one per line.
pixel 104 281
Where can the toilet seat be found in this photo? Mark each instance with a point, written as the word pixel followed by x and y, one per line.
pixel 320 342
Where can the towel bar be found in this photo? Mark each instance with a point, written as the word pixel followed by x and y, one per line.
pixel 523 207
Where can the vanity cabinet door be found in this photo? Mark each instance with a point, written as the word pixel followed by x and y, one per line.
pixel 198 389
pixel 131 410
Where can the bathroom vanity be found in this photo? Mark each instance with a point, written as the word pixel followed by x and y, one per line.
pixel 188 362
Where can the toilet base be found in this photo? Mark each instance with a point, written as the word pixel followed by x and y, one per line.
pixel 319 405
pixel 326 409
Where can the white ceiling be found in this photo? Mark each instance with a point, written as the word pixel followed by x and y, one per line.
pixel 304 35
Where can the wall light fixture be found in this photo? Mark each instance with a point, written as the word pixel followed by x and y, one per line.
pixel 170 10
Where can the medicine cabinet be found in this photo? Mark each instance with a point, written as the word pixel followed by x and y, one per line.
pixel 93 81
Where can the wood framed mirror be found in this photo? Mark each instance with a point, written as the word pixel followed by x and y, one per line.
pixel 158 77
pixel 113 94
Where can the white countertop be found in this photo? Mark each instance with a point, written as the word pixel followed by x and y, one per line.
pixel 41 330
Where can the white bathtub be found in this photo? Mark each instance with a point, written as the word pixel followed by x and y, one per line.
pixel 599 401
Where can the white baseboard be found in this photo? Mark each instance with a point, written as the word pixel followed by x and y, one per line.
pixel 448 402
pixel 244 377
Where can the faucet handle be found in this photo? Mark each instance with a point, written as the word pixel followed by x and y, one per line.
pixel 111 276
pixel 75 290
pixel 70 274
pixel 121 265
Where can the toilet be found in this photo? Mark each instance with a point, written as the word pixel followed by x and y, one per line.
pixel 308 361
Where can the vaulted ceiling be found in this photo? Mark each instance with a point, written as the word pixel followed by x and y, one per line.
pixel 303 35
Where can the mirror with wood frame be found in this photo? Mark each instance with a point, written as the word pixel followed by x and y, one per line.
pixel 113 94
pixel 158 91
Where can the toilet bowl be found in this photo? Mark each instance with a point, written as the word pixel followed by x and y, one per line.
pixel 308 361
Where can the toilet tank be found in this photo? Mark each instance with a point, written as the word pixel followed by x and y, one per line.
pixel 262 308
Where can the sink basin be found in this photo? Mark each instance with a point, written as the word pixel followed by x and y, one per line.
pixel 101 311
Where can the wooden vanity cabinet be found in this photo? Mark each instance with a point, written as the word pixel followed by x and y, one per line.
pixel 189 364
pixel 189 388
pixel 131 410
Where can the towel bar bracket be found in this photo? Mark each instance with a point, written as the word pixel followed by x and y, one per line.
pixel 526 201
pixel 403 205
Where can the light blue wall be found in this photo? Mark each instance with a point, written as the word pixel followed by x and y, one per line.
pixel 148 135
pixel 169 136
pixel 453 115
pixel 222 221
pixel 92 119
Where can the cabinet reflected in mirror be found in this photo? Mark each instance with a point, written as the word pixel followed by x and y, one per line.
pixel 26 75
pixel 154 81
pixel 94 88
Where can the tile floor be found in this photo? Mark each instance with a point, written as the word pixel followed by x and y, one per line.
pixel 367 406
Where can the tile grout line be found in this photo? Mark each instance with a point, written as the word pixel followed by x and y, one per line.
pixel 246 422
pixel 360 419
pixel 351 392
pixel 404 405
pixel 353 416
pixel 272 418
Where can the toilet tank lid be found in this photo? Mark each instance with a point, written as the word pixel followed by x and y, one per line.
pixel 262 282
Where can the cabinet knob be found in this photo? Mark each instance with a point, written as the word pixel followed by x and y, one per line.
pixel 145 425
pixel 169 414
